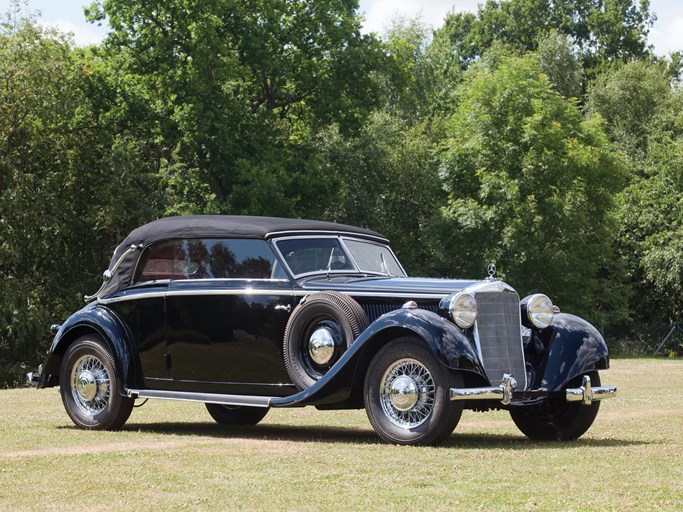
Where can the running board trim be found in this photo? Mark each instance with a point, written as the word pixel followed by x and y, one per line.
pixel 207 398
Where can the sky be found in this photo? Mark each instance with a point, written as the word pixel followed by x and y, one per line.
pixel 666 35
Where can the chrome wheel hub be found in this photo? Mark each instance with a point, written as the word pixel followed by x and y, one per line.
pixel 86 385
pixel 407 393
pixel 321 346
pixel 90 385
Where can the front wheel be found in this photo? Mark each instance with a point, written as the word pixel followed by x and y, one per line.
pixel 557 419
pixel 88 384
pixel 236 414
pixel 407 394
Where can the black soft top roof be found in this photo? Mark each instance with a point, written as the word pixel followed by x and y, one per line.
pixel 213 226
pixel 207 226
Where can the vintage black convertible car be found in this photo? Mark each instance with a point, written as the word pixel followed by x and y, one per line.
pixel 248 313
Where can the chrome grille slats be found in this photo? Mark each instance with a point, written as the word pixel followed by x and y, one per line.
pixel 499 336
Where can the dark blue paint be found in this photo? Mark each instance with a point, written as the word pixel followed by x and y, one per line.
pixel 576 347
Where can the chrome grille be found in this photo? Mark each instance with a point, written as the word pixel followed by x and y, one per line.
pixel 499 336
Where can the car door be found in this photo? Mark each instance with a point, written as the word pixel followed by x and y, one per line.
pixel 226 320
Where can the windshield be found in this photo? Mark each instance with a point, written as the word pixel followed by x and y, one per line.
pixel 332 254
pixel 374 258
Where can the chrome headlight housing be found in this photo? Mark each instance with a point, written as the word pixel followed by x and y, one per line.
pixel 539 310
pixel 463 309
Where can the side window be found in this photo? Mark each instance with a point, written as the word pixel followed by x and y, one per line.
pixel 313 254
pixel 160 262
pixel 211 259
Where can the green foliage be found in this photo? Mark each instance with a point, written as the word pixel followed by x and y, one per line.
pixel 530 186
pixel 651 234
pixel 558 60
pixel 234 87
pixel 644 116
pixel 602 30
pixel 463 146
pixel 630 98
pixel 387 182
pixel 67 168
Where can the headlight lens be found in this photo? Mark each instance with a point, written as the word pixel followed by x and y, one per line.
pixel 540 310
pixel 463 309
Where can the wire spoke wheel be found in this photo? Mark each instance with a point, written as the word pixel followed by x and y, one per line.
pixel 90 385
pixel 407 393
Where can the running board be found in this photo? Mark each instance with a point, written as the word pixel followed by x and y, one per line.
pixel 207 398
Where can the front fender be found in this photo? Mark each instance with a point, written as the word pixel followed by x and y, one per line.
pixel 447 342
pixel 575 348
pixel 104 322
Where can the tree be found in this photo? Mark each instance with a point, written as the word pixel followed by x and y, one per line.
pixel 602 30
pixel 530 187
pixel 651 233
pixel 561 64
pixel 386 180
pixel 70 183
pixel 631 98
pixel 239 86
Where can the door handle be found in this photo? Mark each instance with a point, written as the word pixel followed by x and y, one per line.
pixel 284 307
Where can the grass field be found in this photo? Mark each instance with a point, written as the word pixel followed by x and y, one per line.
pixel 171 456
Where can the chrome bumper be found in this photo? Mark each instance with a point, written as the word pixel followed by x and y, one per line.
pixel 586 394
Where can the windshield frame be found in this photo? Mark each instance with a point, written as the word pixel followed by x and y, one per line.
pixel 349 255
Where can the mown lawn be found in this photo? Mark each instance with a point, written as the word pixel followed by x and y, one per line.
pixel 171 456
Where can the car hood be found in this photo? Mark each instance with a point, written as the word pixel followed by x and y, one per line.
pixel 408 287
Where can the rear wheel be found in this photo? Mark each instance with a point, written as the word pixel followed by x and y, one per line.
pixel 236 414
pixel 88 384
pixel 407 394
pixel 557 419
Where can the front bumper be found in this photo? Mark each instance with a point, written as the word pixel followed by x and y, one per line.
pixel 586 394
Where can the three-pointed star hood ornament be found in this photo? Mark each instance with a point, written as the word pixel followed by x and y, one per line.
pixel 491 269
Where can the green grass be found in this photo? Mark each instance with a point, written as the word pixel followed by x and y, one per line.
pixel 171 456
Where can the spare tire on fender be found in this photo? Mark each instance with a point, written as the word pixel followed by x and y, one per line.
pixel 318 332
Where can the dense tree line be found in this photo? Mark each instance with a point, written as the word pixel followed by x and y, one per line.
pixel 544 136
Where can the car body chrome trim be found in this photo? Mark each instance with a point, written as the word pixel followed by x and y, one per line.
pixel 197 293
pixel 489 287
pixel 208 398
pixel 263 292
pixel 385 295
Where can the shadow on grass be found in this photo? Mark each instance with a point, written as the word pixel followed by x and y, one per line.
pixel 520 442
pixel 268 432
pixel 335 434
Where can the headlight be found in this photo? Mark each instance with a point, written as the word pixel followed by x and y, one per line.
pixel 463 309
pixel 539 309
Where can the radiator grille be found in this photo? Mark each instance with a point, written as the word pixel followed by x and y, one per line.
pixel 500 341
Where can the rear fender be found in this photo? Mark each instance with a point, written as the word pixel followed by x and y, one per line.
pixel 576 347
pixel 102 321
